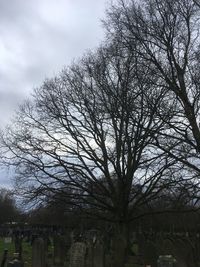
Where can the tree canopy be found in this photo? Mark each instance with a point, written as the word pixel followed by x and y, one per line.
pixel 89 132
pixel 165 35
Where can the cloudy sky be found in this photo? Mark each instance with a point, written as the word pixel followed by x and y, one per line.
pixel 39 37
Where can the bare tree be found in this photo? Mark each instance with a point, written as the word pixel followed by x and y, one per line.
pixel 117 130
pixel 165 35
pixel 9 211
pixel 89 133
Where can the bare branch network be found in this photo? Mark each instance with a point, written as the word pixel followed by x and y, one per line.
pixel 116 134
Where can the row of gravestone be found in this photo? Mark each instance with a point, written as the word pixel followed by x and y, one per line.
pixel 86 255
pixel 79 254
pixel 92 253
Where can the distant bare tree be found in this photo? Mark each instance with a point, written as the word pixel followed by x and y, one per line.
pixel 8 207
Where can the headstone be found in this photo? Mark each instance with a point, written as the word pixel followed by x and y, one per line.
pixel 77 254
pixel 98 256
pixel 166 261
pixel 18 245
pixel 90 254
pixel 39 253
pixel 59 251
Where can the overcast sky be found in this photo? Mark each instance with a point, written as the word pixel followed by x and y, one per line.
pixel 39 37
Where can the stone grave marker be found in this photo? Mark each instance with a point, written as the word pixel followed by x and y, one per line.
pixel 77 254
pixel 18 245
pixel 39 253
pixel 59 250
pixel 90 254
pixel 98 256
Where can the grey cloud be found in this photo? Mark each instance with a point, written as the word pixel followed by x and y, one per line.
pixel 38 37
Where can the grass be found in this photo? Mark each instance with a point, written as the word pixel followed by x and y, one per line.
pixel 9 245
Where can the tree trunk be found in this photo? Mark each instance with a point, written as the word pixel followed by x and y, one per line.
pixel 120 244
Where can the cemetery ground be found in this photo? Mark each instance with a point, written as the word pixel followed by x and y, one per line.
pixel 90 249
pixel 8 244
